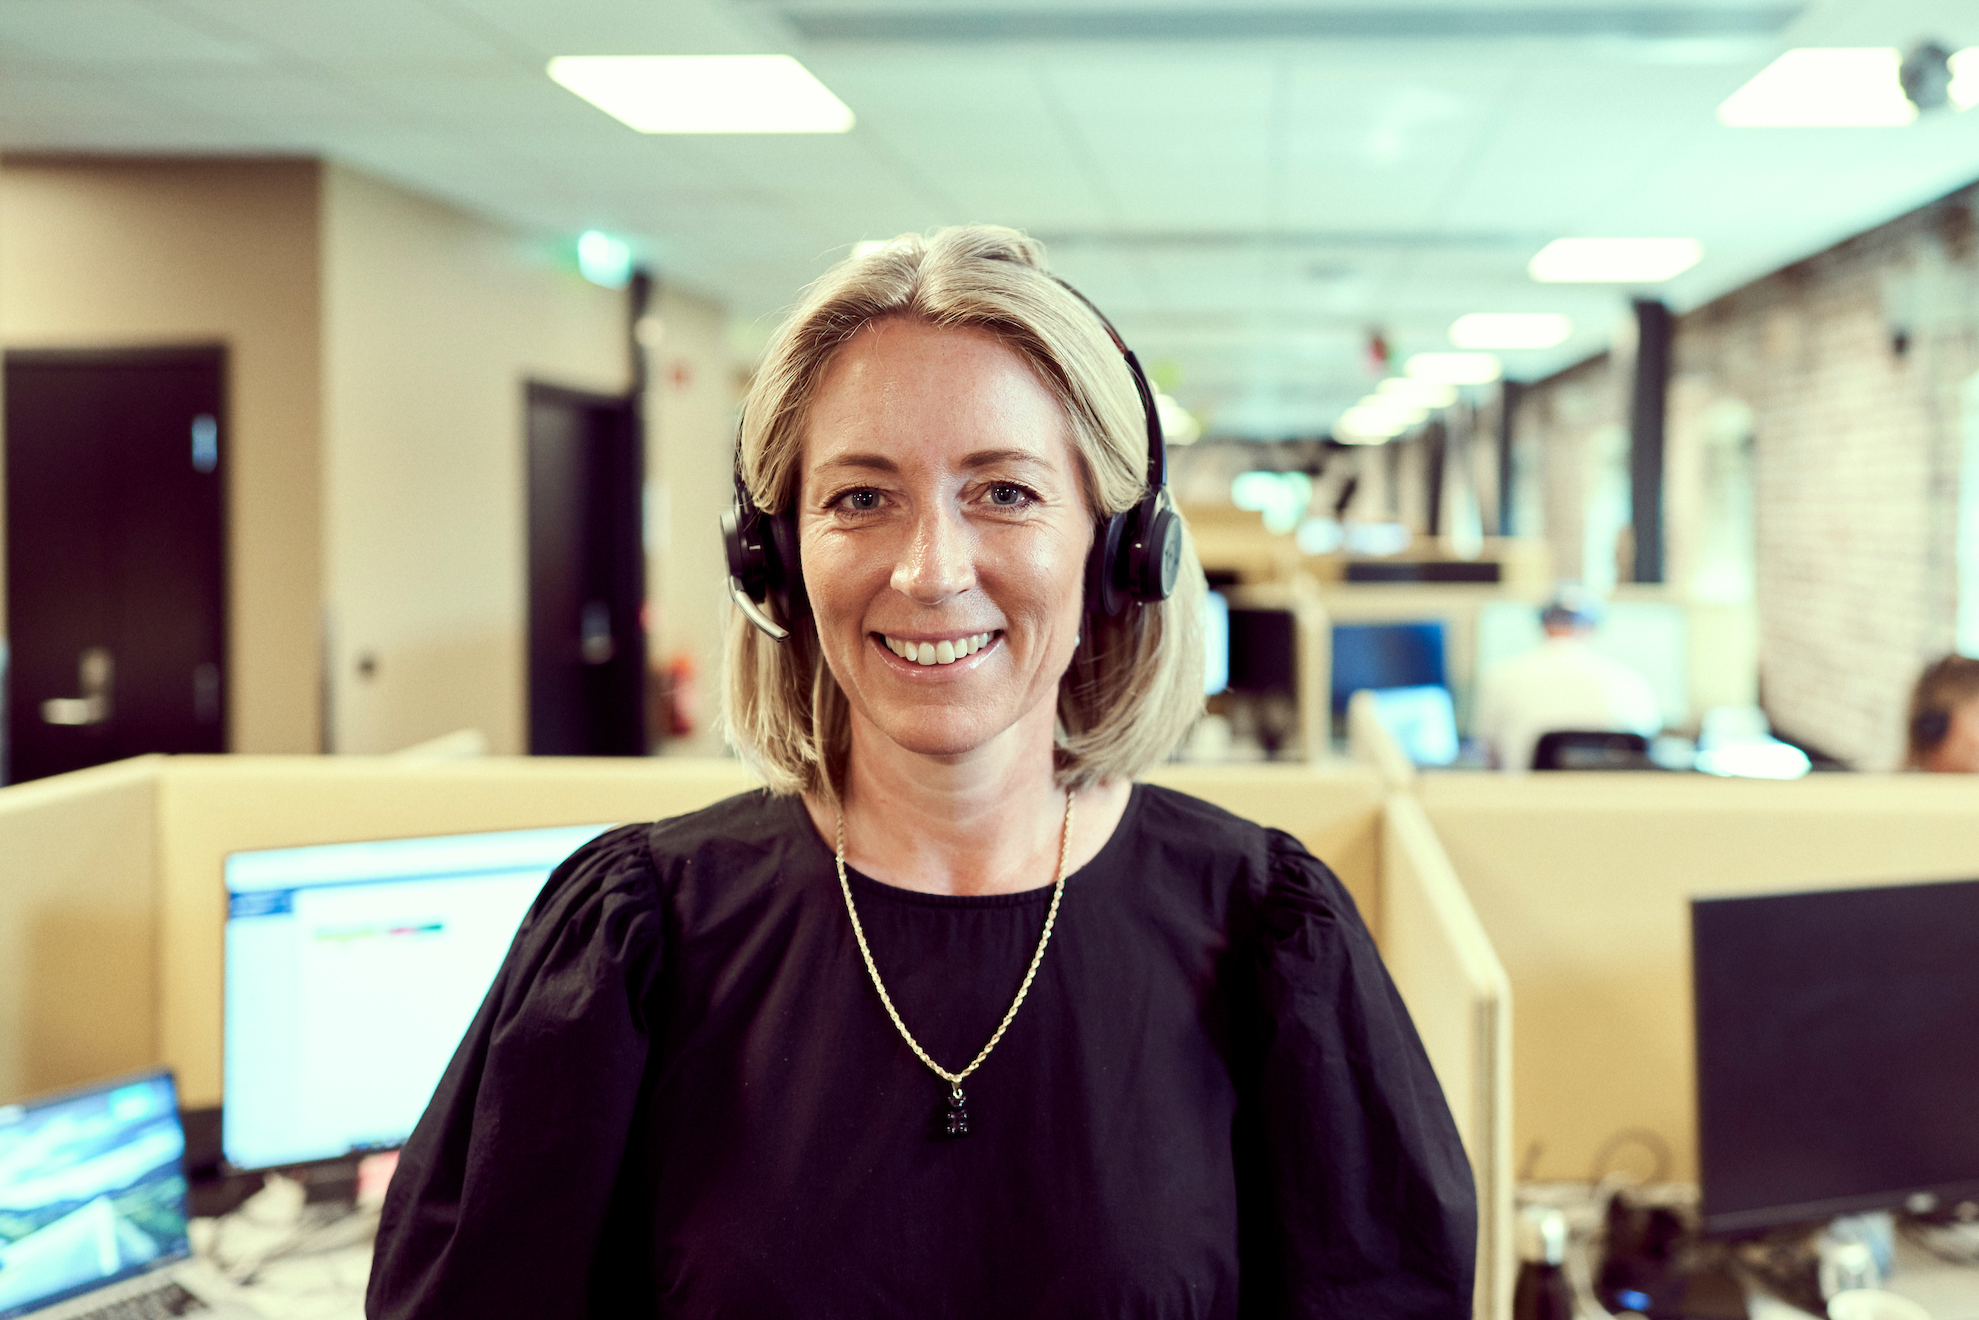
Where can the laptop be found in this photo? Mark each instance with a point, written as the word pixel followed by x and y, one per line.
pixel 93 1206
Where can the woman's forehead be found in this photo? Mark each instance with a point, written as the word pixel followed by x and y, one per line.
pixel 901 391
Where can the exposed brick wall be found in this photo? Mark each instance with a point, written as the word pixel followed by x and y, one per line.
pixel 1852 364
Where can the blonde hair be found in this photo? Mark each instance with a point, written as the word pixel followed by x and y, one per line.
pixel 1135 684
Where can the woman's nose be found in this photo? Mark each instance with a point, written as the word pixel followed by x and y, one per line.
pixel 938 562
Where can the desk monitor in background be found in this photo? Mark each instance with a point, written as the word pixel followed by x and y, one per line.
pixel 1421 719
pixel 1386 655
pixel 1264 651
pixel 1216 636
pixel 1836 1056
pixel 352 970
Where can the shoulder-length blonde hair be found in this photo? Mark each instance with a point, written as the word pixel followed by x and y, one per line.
pixel 1135 684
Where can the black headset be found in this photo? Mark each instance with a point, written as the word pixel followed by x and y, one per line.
pixel 1135 554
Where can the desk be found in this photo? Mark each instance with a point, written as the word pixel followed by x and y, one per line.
pixel 1945 1290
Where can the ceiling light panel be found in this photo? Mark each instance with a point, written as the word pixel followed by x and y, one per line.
pixel 1823 87
pixel 1420 393
pixel 705 93
pixel 1454 368
pixel 1614 260
pixel 1964 89
pixel 1510 330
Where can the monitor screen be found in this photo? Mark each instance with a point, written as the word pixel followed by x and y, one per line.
pixel 352 970
pixel 1264 651
pixel 1422 720
pixel 1216 636
pixel 1386 655
pixel 91 1190
pixel 1836 1057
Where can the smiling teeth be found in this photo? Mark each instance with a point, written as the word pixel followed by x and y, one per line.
pixel 938 653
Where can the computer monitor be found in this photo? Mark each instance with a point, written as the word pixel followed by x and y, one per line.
pixel 1264 651
pixel 1386 655
pixel 1216 637
pixel 352 970
pixel 91 1190
pixel 1422 720
pixel 1836 1057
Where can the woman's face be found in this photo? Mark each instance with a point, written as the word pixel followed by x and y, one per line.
pixel 1959 752
pixel 943 534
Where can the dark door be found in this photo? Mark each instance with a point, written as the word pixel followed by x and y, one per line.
pixel 587 576
pixel 116 556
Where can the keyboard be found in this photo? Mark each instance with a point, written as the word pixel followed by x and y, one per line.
pixel 160 1302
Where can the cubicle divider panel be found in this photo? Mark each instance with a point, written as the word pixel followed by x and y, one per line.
pixel 1335 811
pixel 1583 881
pixel 1461 1000
pixel 211 806
pixel 78 927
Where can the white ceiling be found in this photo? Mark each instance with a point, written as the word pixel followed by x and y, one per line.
pixel 1246 188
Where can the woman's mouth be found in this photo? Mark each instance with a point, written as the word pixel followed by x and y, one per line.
pixel 945 652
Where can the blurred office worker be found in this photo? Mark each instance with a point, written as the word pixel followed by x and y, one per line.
pixel 1944 717
pixel 1563 685
pixel 954 1019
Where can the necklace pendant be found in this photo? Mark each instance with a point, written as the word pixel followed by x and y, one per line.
pixel 953 1121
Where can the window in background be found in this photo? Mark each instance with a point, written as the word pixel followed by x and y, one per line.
pixel 1727 541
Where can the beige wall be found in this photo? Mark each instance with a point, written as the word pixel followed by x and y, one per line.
pixel 433 322
pixel 690 453
pixel 1583 885
pixel 110 253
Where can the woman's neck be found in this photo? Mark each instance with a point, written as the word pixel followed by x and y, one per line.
pixel 985 823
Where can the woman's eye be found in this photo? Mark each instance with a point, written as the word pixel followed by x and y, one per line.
pixel 860 501
pixel 1009 497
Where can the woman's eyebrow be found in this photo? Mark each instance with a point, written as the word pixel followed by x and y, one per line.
pixel 983 458
pixel 867 462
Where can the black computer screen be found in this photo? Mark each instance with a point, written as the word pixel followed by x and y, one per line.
pixel 1837 1050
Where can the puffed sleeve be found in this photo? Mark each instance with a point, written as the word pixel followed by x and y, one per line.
pixel 501 1193
pixel 1361 1183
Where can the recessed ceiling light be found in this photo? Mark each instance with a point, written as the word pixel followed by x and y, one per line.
pixel 1401 409
pixel 1453 368
pixel 1368 425
pixel 704 93
pixel 1421 393
pixel 1823 87
pixel 1510 330
pixel 1614 260
pixel 1964 89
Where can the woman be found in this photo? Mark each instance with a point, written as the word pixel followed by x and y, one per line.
pixel 955 1020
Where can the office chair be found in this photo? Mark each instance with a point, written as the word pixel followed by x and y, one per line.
pixel 1583 749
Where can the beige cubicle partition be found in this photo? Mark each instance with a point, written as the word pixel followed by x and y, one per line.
pixel 1583 882
pixel 78 922
pixel 1461 1000
pixel 113 908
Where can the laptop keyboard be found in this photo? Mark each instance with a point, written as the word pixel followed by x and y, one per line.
pixel 160 1303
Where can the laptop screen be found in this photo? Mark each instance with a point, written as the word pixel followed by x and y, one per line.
pixel 352 971
pixel 91 1190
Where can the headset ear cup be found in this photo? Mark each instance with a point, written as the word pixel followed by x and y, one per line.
pixel 786 574
pixel 1105 596
pixel 1156 554
pixel 745 555
pixel 1930 728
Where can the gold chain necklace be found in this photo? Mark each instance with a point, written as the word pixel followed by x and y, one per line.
pixel 955 1122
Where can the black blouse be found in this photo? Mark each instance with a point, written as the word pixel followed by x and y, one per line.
pixel 682 1096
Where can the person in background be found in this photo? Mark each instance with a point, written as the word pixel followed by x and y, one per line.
pixel 1944 717
pixel 1564 684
